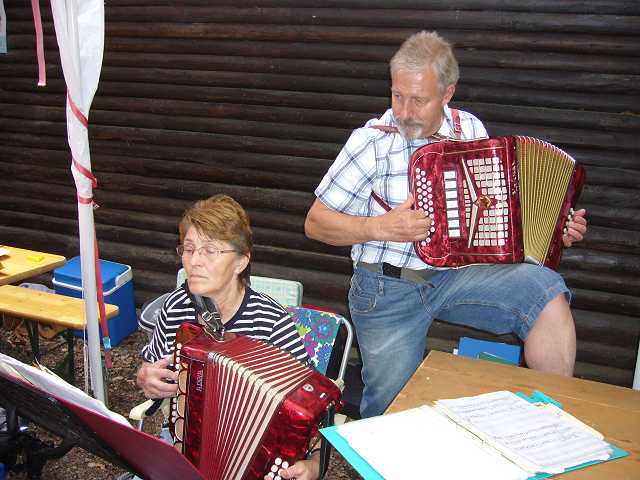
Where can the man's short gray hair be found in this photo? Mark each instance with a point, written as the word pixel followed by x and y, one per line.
pixel 427 49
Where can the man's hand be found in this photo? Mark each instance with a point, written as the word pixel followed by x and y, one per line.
pixel 576 229
pixel 154 378
pixel 403 224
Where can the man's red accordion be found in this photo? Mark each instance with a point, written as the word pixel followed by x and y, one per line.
pixel 494 200
pixel 244 407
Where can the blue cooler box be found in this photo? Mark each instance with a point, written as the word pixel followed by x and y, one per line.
pixel 117 286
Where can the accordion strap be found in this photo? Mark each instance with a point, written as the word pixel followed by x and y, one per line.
pixel 208 311
pixel 457 135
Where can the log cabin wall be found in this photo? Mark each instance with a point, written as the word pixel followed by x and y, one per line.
pixel 255 99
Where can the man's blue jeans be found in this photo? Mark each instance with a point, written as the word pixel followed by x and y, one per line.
pixel 392 316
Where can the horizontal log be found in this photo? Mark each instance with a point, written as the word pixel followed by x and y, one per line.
pixel 277 252
pixel 506 94
pixel 22 37
pixel 607 328
pixel 56 149
pixel 612 176
pixel 591 352
pixel 621 7
pixel 614 197
pixel 618 304
pixel 272 244
pixel 612 217
pixel 614 240
pixel 177 115
pixel 331 83
pixel 584 370
pixel 580 258
pixel 133 135
pixel 209 173
pixel 563 137
pixel 337 60
pixel 103 106
pixel 521 114
pixel 513 94
pixel 613 282
pixel 382 18
pixel 159 214
pixel 183 121
pixel 245 96
pixel 566 138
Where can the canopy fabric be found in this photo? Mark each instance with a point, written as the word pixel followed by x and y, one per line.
pixel 79 26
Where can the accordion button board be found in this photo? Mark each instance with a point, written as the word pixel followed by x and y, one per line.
pixel 495 200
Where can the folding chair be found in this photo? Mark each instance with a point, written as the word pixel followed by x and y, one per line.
pixel 285 292
pixel 319 330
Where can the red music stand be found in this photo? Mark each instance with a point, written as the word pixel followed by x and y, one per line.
pixel 53 405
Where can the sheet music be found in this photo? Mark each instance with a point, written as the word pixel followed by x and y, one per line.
pixel 422 443
pixel 51 383
pixel 532 437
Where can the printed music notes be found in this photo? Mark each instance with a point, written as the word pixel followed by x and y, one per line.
pixel 497 436
pixel 529 436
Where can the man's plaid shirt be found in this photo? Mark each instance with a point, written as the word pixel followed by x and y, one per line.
pixel 375 160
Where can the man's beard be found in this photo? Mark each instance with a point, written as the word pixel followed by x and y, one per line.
pixel 410 129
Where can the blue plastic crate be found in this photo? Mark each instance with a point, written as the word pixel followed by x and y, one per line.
pixel 117 286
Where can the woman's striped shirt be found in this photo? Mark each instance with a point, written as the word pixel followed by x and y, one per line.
pixel 259 316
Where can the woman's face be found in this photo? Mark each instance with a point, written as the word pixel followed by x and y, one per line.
pixel 210 274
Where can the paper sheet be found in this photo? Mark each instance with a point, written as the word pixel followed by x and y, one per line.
pixel 48 382
pixel 532 437
pixel 421 443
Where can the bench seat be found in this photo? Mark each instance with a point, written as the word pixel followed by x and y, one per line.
pixel 44 307
pixel 52 309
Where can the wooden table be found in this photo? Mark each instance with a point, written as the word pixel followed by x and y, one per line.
pixel 612 410
pixel 20 264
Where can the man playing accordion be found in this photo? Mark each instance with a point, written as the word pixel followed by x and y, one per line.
pixel 394 295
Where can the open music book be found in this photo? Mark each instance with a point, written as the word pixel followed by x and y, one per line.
pixel 497 435
pixel 49 401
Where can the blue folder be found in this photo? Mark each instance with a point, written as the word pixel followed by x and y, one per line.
pixel 496 351
pixel 369 473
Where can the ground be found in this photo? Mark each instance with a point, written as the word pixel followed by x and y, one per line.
pixel 122 395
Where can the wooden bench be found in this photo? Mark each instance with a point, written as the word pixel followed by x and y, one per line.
pixel 51 309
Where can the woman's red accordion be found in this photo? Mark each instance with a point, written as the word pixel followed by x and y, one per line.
pixel 495 200
pixel 244 406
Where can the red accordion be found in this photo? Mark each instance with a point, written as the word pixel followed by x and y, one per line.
pixel 244 407
pixel 495 200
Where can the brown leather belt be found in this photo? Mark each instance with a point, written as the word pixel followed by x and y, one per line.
pixel 388 270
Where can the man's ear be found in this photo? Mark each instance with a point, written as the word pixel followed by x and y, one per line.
pixel 448 94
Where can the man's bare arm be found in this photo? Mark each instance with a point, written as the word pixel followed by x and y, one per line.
pixel 401 224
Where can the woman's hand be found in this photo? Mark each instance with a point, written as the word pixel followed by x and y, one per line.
pixel 154 378
pixel 301 470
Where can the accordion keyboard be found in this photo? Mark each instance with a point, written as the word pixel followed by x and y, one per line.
pixel 485 191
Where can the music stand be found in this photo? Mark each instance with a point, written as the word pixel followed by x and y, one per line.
pixel 62 410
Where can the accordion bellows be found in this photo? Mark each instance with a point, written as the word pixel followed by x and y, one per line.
pixel 494 200
pixel 244 407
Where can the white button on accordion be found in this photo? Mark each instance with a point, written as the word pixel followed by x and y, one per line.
pixel 244 407
pixel 494 200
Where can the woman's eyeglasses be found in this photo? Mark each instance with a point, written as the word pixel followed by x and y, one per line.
pixel 209 251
